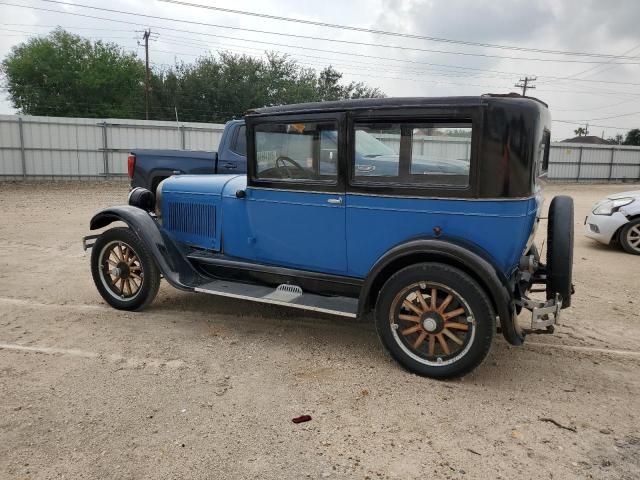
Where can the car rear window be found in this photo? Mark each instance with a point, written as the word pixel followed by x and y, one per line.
pixel 423 154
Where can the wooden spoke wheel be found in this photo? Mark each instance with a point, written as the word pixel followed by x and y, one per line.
pixel 435 319
pixel 124 273
pixel 432 322
pixel 121 269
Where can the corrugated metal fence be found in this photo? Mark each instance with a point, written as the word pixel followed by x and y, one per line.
pixel 435 147
pixel 52 147
pixel 591 163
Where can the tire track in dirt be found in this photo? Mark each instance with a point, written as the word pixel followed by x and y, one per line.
pixel 83 307
pixel 65 251
pixel 131 362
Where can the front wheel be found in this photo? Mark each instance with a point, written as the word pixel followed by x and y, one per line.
pixel 124 273
pixel 435 320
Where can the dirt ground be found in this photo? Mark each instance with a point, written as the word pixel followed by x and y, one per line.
pixel 203 387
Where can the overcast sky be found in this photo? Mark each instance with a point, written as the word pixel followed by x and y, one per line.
pixel 605 93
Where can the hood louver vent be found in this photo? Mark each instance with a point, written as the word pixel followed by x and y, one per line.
pixel 191 222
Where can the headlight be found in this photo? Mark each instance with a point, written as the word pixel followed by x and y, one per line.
pixel 158 209
pixel 141 198
pixel 609 206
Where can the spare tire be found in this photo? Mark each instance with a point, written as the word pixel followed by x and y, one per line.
pixel 560 249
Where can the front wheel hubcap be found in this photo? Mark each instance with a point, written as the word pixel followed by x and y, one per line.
pixel 633 237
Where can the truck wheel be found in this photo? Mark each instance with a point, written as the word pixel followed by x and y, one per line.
pixel 560 249
pixel 124 273
pixel 630 237
pixel 435 320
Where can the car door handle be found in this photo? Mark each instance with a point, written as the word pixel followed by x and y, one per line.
pixel 230 165
pixel 335 201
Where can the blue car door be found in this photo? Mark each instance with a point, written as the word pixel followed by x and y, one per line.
pixel 295 198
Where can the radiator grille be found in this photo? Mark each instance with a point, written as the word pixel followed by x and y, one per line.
pixel 192 219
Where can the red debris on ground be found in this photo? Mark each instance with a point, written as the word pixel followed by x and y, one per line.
pixel 302 418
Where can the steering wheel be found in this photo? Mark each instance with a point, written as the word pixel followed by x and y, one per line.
pixel 282 161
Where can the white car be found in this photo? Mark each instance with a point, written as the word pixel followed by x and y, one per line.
pixel 616 219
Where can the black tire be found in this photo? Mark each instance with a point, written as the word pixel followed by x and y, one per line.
pixel 478 317
pixel 560 249
pixel 629 236
pixel 147 275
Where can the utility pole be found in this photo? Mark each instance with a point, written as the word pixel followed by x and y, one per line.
pixel 145 36
pixel 524 84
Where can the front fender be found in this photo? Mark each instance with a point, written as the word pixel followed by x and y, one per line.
pixel 173 264
pixel 465 257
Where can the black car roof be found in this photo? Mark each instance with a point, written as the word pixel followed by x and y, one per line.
pixel 391 102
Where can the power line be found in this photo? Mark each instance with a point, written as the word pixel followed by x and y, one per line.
pixel 613 116
pixel 290 46
pixel 607 105
pixel 590 69
pixel 192 22
pixel 60 26
pixel 593 125
pixel 502 73
pixel 203 44
pixel 617 93
pixel 333 60
pixel 382 32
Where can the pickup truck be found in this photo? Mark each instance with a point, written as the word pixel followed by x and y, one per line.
pixel 147 168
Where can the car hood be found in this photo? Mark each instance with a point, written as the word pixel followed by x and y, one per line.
pixel 436 165
pixel 630 194
pixel 197 184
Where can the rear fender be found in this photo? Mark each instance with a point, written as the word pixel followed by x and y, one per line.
pixel 474 262
pixel 173 264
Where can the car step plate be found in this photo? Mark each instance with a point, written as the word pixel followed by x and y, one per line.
pixel 286 295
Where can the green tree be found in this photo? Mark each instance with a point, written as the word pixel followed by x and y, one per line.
pixel 633 137
pixel 64 75
pixel 216 88
pixel 580 131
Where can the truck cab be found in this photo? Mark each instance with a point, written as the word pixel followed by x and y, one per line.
pixel 432 233
pixel 148 167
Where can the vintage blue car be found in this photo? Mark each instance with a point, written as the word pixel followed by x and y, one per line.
pixel 429 227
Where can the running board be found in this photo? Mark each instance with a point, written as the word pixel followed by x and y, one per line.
pixel 285 295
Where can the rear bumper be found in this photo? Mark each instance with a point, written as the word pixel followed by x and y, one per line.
pixel 603 227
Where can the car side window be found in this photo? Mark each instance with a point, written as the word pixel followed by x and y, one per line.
pixel 240 141
pixel 297 151
pixel 422 154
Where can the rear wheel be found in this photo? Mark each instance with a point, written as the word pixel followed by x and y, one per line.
pixel 435 320
pixel 124 273
pixel 630 237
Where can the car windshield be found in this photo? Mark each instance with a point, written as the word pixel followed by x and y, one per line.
pixel 369 146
